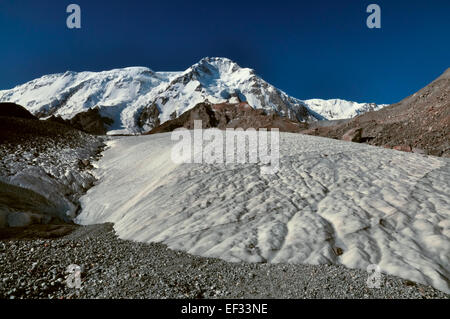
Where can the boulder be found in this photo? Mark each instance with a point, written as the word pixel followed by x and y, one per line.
pixel 403 148
pixel 90 121
pixel 353 135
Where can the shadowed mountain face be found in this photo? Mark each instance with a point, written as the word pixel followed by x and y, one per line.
pixel 15 110
pixel 229 115
pixel 419 123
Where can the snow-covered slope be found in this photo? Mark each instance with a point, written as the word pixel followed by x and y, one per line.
pixel 67 94
pixel 330 202
pixel 337 109
pixel 138 99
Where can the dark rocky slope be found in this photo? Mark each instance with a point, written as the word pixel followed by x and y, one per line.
pixel 229 115
pixel 89 122
pixel 15 110
pixel 44 169
pixel 419 123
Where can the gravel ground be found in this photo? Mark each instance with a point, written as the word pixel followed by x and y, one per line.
pixel 115 268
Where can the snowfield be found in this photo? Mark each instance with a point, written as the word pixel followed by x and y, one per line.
pixel 331 202
pixel 337 109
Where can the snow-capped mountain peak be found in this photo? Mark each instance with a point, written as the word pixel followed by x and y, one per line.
pixel 138 98
pixel 336 109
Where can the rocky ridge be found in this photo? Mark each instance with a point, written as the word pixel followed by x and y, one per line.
pixel 44 169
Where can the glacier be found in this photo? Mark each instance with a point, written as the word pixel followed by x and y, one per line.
pixel 331 202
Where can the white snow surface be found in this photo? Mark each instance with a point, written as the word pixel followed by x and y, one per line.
pixel 122 94
pixel 337 109
pixel 379 206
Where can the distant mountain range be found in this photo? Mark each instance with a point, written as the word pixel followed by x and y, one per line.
pixel 137 99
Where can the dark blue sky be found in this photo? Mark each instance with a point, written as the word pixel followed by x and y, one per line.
pixel 307 48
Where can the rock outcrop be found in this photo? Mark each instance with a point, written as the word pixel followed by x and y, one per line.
pixel 229 115
pixel 89 122
pixel 15 110
pixel 420 122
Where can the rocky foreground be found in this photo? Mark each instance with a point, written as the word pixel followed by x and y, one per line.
pixel 34 259
pixel 114 268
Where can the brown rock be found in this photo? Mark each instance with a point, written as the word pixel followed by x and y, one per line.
pixel 403 148
pixel 90 122
pixel 421 120
pixel 338 251
pixel 229 115
pixel 353 135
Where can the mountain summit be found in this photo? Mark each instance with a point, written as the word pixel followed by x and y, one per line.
pixel 137 99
